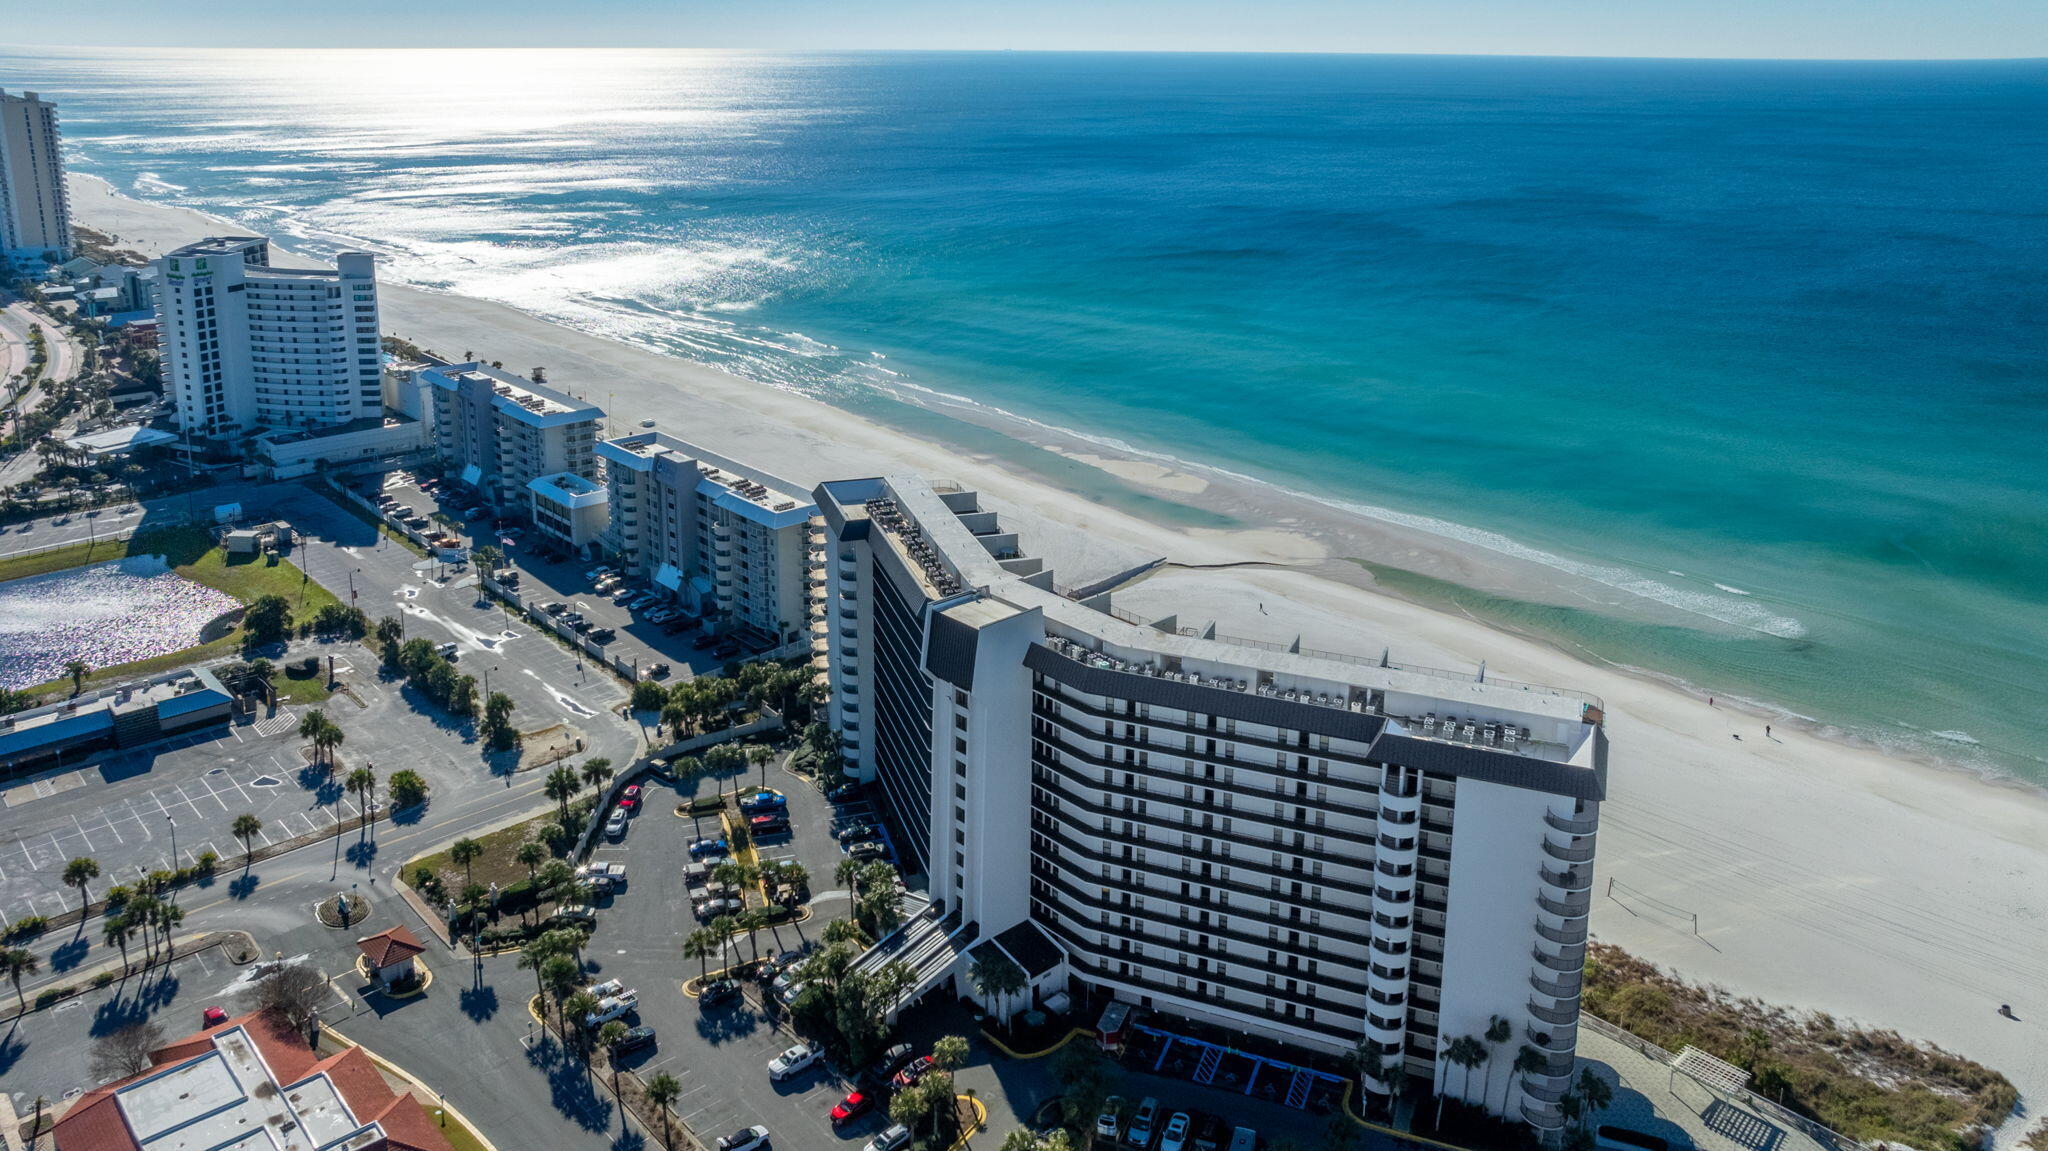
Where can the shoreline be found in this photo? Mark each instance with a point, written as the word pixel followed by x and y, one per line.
pixel 1913 897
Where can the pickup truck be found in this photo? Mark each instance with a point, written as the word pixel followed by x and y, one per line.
pixel 602 876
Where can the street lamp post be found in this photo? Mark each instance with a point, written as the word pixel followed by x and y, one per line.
pixel 174 841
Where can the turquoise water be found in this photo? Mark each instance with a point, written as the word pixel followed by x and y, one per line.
pixel 1759 343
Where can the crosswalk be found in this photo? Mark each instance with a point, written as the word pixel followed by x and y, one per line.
pixel 277 724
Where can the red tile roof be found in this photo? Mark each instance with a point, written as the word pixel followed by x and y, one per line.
pixel 95 1122
pixel 388 947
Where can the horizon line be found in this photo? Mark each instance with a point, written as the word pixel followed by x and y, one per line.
pixel 241 48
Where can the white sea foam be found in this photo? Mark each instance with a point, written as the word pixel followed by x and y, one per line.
pixel 1731 590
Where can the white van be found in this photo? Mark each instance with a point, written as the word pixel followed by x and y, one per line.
pixel 1139 1133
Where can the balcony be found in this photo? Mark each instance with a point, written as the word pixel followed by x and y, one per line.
pixel 1565 987
pixel 1569 879
pixel 1570 959
pixel 1571 826
pixel 1575 907
pixel 1542 1116
pixel 1568 854
pixel 1564 937
pixel 1556 1041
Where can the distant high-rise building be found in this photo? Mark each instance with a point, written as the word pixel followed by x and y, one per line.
pixel 247 346
pixel 35 212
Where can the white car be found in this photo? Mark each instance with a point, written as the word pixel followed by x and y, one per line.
pixel 1175 1137
pixel 602 876
pixel 661 615
pixel 606 990
pixel 794 1060
pixel 615 827
pixel 744 1139
pixel 895 1138
pixel 612 1007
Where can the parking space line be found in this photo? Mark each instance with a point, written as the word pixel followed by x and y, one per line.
pixel 82 834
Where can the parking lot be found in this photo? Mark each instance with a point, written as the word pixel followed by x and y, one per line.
pixel 544 579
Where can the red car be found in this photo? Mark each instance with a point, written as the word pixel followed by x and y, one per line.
pixel 909 1076
pixel 212 1017
pixel 852 1107
pixel 630 798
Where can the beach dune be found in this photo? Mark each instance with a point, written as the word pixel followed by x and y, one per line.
pixel 1793 868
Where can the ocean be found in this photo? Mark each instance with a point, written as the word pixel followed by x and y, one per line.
pixel 1757 348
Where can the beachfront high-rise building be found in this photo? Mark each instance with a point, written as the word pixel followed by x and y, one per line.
pixel 35 209
pixel 499 432
pixel 249 347
pixel 731 541
pixel 1331 852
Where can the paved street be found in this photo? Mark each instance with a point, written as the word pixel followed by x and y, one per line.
pixel 16 319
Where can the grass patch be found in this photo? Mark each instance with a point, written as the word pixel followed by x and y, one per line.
pixel 497 864
pixel 310 690
pixel 1868 1085
pixel 58 559
pixel 459 1137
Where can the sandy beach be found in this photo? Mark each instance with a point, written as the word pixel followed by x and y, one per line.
pixel 1795 869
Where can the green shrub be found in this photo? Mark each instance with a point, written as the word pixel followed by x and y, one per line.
pixel 206 863
pixel 25 927
pixel 102 979
pixel 407 788
pixel 49 995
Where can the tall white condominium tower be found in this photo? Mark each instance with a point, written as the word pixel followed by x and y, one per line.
pixel 35 212
pixel 1316 849
pixel 247 346
pixel 731 541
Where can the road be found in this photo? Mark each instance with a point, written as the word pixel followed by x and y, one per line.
pixel 16 318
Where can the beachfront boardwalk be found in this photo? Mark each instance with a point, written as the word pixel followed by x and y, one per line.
pixel 1652 1098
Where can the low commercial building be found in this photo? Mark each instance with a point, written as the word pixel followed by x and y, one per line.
pixel 1337 853
pixel 499 432
pixel 125 716
pixel 292 453
pixel 569 511
pixel 250 1083
pixel 391 956
pixel 730 540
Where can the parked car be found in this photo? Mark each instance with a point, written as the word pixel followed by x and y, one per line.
pixel 572 617
pixel 718 991
pixel 896 1138
pixel 615 827
pixel 867 850
pixel 1110 1120
pixel 596 572
pixel 613 1007
pixel 212 1017
pixel 744 1139
pixel 706 848
pixel 713 908
pixel 890 1062
pixel 579 914
pixel 630 798
pixel 659 671
pixel 764 801
pixel 1209 1133
pixel 787 996
pixel 855 1105
pixel 854 833
pixel 704 641
pixel 634 1039
pixel 725 650
pixel 911 1073
pixel 449 651
pixel 605 990
pixel 844 792
pixel 1175 1137
pixel 774 823
pixel 604 876
pixel 581 624
pixel 603 635
pixel 795 1061
pixel 556 608
pixel 1140 1132
pixel 660 615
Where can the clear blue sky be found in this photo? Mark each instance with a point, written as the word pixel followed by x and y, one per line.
pixel 1759 28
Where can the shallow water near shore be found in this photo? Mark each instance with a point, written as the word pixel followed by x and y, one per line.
pixel 1749 356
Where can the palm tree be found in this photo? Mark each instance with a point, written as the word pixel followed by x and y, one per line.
pixel 997 977
pixel 115 930
pixel 1459 1052
pixel 77 669
pixel 168 917
pixel 607 1036
pixel 575 1009
pixel 761 756
pixel 245 828
pixel 363 782
pixel 1527 1062
pixel 560 975
pixel 464 852
pixel 1593 1094
pixel 140 912
pixel 561 787
pixel 1498 1031
pixel 18 962
pixel 531 856
pixel 79 873
pixel 662 1091
pixel 596 771
pixel 752 920
pixel 1476 1052
pixel 323 733
pixel 701 945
